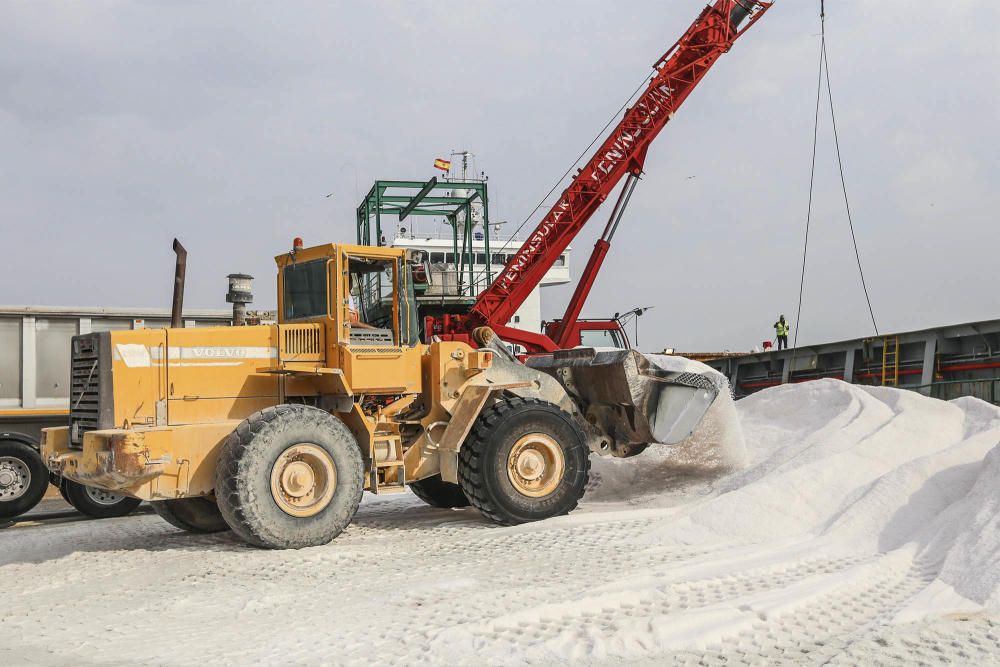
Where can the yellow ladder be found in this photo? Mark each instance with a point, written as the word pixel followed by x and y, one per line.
pixel 890 361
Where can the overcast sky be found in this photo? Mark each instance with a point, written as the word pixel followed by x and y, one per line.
pixel 123 125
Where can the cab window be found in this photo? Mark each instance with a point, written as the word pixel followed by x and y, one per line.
pixel 304 290
pixel 601 338
pixel 371 291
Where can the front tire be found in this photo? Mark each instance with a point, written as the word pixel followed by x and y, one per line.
pixel 290 477
pixel 97 503
pixel 525 460
pixel 23 478
pixel 195 515
pixel 438 493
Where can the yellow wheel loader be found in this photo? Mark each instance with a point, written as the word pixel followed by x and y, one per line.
pixel 275 431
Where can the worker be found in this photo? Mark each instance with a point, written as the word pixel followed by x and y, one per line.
pixel 781 329
pixel 355 319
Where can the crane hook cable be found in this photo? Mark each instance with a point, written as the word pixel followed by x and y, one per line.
pixel 824 68
pixel 812 182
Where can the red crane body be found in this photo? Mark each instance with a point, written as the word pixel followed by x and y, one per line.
pixel 623 152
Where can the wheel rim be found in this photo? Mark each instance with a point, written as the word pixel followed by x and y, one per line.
pixel 15 478
pixel 536 465
pixel 102 496
pixel 303 480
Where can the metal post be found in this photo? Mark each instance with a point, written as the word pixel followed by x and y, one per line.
pixel 849 355
pixel 471 237
pixel 378 216
pixel 29 360
pixel 453 221
pixel 362 210
pixel 486 235
pixel 930 354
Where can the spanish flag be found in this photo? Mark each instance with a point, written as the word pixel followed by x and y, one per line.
pixel 443 165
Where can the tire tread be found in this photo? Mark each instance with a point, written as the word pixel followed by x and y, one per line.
pixel 471 476
pixel 233 483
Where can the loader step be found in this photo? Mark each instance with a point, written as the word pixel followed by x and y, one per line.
pixel 388 471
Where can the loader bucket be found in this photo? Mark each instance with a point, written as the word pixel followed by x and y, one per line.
pixel 635 398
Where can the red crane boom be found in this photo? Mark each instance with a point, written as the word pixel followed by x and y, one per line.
pixel 677 73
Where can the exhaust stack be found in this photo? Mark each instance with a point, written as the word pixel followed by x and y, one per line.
pixel 176 310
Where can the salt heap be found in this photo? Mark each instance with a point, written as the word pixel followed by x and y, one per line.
pixel 853 469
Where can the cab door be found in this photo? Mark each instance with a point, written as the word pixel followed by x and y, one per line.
pixel 378 341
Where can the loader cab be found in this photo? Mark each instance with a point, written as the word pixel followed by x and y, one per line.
pixel 367 292
pixel 363 297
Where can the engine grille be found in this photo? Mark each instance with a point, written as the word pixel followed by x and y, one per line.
pixel 89 375
pixel 303 341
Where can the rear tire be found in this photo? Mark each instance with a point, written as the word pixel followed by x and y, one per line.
pixel 98 503
pixel 438 493
pixel 195 515
pixel 23 478
pixel 289 477
pixel 62 490
pixel 525 460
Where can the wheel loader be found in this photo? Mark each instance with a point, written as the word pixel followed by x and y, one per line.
pixel 275 431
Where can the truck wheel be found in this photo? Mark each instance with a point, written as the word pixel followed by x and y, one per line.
pixel 195 515
pixel 289 477
pixel 23 478
pixel 98 503
pixel 525 460
pixel 62 490
pixel 438 493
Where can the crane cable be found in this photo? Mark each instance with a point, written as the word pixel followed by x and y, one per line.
pixel 562 179
pixel 824 68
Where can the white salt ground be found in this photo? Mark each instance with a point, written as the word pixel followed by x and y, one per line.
pixel 840 524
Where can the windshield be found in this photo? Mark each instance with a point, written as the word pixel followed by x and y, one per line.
pixel 601 338
pixel 305 290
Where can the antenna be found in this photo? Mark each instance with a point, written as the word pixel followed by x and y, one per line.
pixel 465 155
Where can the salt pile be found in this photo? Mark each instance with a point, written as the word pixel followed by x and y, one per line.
pixel 853 469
